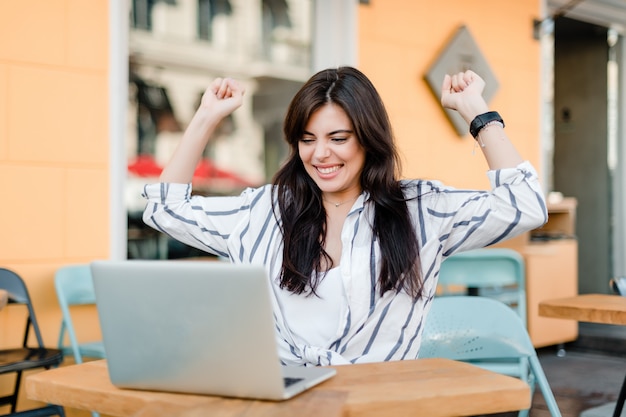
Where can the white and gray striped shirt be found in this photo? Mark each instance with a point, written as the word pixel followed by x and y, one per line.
pixel 372 328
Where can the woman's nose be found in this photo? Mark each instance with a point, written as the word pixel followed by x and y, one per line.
pixel 321 150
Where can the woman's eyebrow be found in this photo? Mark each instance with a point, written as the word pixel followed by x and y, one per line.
pixel 334 132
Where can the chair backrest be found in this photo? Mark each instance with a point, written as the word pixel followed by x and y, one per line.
pixel 18 294
pixel 474 328
pixel 74 286
pixel 501 269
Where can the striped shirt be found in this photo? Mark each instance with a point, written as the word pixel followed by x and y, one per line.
pixel 372 328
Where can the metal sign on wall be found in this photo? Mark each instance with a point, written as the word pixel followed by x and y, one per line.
pixel 461 54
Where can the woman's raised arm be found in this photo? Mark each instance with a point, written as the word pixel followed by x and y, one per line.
pixel 220 99
pixel 463 92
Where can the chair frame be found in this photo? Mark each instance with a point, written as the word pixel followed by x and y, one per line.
pixel 18 360
pixel 486 268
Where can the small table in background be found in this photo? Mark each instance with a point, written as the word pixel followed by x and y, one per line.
pixel 593 308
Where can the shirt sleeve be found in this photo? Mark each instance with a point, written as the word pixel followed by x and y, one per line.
pixel 461 220
pixel 205 223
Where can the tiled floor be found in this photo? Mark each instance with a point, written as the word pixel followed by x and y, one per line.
pixel 580 380
pixel 585 380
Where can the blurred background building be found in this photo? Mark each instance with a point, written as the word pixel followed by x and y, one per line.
pixel 176 49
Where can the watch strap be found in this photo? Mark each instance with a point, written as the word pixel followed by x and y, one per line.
pixel 482 120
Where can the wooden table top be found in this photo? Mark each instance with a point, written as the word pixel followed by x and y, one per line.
pixel 594 308
pixel 424 387
pixel 4 298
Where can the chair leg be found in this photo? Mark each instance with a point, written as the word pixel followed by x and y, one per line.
pixel 16 390
pixel 619 405
pixel 544 386
pixel 529 378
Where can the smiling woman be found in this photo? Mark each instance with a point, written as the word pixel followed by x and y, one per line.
pixel 352 252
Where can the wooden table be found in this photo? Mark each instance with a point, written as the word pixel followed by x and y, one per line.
pixel 4 298
pixel 594 308
pixel 424 387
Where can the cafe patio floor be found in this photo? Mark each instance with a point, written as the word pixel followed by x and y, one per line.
pixel 586 375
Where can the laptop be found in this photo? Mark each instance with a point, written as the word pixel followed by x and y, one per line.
pixel 194 327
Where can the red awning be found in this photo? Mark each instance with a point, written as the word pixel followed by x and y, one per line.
pixel 206 173
pixel 145 166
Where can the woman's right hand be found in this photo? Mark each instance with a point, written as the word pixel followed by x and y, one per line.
pixel 220 99
pixel 223 96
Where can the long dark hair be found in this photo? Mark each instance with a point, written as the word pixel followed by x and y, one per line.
pixel 302 214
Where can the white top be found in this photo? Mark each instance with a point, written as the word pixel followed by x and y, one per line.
pixel 372 327
pixel 315 319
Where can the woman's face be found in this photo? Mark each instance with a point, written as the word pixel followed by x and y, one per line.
pixel 332 154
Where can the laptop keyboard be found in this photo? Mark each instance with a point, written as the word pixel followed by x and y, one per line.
pixel 291 381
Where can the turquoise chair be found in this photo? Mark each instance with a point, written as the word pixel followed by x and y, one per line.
pixel 492 272
pixel 498 273
pixel 482 330
pixel 74 286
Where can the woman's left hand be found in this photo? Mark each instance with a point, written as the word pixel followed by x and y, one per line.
pixel 463 92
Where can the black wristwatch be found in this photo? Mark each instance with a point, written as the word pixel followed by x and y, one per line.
pixel 482 120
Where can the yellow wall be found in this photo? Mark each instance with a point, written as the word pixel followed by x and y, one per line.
pixel 400 39
pixel 54 146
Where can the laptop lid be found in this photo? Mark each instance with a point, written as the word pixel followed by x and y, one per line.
pixel 193 327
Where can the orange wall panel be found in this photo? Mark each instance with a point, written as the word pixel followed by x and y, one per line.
pixel 88 34
pixel 54 148
pixel 398 42
pixel 57 115
pixel 4 107
pixel 33 31
pixel 32 213
pixel 87 218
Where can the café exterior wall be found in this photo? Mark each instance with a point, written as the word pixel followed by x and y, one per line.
pixel 54 147
pixel 399 40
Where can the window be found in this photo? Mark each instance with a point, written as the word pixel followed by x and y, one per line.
pixel 141 14
pixel 208 10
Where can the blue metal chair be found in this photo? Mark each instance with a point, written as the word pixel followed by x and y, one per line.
pixel 74 286
pixel 493 272
pixel 479 329
pixel 27 356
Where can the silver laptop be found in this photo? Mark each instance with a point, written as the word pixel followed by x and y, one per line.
pixel 194 327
